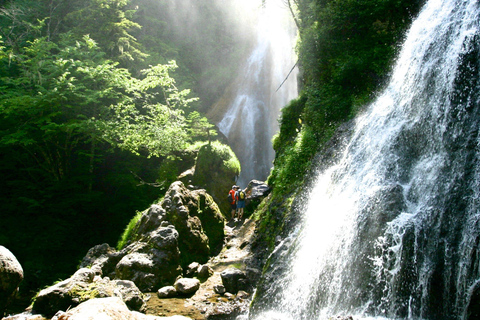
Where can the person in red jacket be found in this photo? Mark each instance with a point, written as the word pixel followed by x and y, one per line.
pixel 233 202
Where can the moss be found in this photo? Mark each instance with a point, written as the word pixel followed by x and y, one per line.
pixel 129 231
pixel 216 168
pixel 82 294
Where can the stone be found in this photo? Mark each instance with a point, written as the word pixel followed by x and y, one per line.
pixel 11 275
pixel 112 308
pixel 186 286
pixel 219 289
pixel 257 189
pixel 130 294
pixel 204 271
pixel 242 294
pixel 102 259
pixel 82 286
pixel 152 262
pixel 233 279
pixel 167 292
pixel 198 221
pixel 192 269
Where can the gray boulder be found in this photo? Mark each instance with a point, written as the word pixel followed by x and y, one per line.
pixel 11 274
pixel 186 286
pixel 82 286
pixel 103 259
pixel 153 261
pixel 184 228
pixel 198 220
pixel 257 190
pixel 167 292
pixel 201 271
pixel 233 280
pixel 107 309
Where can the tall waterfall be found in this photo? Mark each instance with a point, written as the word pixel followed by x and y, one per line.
pixel 392 229
pixel 251 118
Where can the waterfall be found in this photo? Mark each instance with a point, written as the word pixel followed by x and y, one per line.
pixel 251 118
pixel 392 229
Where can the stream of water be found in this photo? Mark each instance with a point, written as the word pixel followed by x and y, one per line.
pixel 251 118
pixel 392 230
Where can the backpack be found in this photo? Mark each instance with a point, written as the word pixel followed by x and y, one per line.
pixel 241 195
pixel 230 198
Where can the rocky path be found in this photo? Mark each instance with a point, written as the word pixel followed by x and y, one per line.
pixel 206 303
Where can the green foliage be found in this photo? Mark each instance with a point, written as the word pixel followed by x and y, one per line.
pixel 107 22
pixel 129 231
pixel 215 156
pixel 345 52
pixel 215 170
pixel 82 138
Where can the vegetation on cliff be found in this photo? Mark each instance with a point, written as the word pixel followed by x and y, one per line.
pixel 346 50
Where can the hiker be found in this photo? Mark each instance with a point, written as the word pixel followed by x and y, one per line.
pixel 232 200
pixel 240 197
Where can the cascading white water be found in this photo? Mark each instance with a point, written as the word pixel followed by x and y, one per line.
pixel 392 230
pixel 251 118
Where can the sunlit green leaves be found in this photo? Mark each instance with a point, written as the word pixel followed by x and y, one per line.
pixel 68 93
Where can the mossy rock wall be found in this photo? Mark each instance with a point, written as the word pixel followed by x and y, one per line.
pixel 216 170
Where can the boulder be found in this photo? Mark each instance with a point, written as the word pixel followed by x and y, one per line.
pixel 187 226
pixel 186 286
pixel 233 280
pixel 83 286
pixel 153 261
pixel 257 190
pixel 107 309
pixel 201 271
pixel 11 274
pixel 198 220
pixel 192 269
pixel 167 292
pixel 102 259
pixel 219 289
pixel 216 170
pixel 204 272
pixel 137 267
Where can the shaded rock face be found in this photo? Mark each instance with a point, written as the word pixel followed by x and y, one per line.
pixel 85 285
pixel 233 280
pixel 198 220
pixel 151 262
pixel 187 226
pixel 11 274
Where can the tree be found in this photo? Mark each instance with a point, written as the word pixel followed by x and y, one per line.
pixel 69 95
